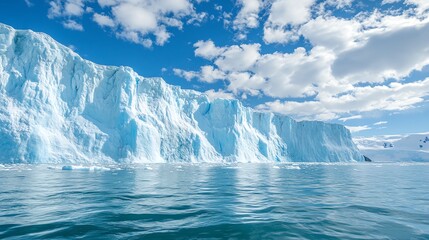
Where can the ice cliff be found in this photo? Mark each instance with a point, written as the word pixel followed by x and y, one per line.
pixel 56 107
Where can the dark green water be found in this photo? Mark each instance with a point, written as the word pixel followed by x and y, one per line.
pixel 247 201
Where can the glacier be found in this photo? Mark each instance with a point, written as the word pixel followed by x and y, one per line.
pixel 56 107
pixel 412 147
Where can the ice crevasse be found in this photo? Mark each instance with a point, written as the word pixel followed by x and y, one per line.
pixel 56 107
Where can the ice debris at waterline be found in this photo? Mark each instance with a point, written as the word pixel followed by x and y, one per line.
pixel 84 168
pixel 59 108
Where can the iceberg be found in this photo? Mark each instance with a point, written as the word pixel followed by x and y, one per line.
pixel 56 107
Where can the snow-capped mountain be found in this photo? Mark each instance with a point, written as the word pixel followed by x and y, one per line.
pixel 59 108
pixel 395 148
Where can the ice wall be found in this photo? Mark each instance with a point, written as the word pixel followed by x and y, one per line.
pixel 56 107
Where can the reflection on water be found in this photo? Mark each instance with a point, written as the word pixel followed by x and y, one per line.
pixel 259 201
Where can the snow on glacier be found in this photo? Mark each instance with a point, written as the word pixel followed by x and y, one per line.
pixel 395 148
pixel 59 108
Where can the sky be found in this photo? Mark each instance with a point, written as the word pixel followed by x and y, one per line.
pixel 364 64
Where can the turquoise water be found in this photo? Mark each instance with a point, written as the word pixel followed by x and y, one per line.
pixel 246 201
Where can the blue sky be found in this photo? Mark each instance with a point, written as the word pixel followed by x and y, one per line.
pixel 359 63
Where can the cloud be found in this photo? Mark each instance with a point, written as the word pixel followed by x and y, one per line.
pixel 207 49
pixel 144 22
pixel 339 3
pixel 67 8
pixel 188 75
pixel 245 82
pixel 210 74
pixel 103 20
pixel 394 97
pixel 207 74
pixel 238 58
pixel 389 1
pixel 107 3
pixel 228 60
pixel 331 32
pixel 344 119
pixel 380 123
pixel 355 129
pixel 288 20
pixel 279 35
pixel 73 25
pixel 422 5
pixel 141 18
pixel 55 9
pixel 394 54
pixel 212 94
pixel 248 16
pixel 74 8
pixel 284 14
pixel 294 74
pixel 134 18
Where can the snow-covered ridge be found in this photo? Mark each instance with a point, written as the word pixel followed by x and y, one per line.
pixel 56 107
pixel 395 148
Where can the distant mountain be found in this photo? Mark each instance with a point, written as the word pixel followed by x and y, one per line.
pixel 395 148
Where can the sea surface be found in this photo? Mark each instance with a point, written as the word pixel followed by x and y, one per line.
pixel 243 201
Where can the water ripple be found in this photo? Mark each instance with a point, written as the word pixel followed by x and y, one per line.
pixel 308 201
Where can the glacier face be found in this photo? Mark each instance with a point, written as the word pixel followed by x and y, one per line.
pixel 56 107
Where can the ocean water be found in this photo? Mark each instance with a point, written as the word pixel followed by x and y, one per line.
pixel 244 201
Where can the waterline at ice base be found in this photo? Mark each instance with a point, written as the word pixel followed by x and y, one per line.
pixel 59 108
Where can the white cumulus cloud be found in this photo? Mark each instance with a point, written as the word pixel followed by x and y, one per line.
pixel 73 25
pixel 103 20
pixel 248 16
pixel 212 94
pixel 144 22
